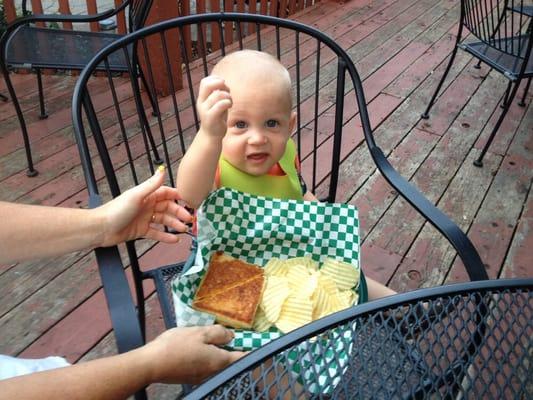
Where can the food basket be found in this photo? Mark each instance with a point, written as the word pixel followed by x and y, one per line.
pixel 255 229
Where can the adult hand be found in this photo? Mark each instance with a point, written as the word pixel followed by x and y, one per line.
pixel 137 212
pixel 212 105
pixel 189 354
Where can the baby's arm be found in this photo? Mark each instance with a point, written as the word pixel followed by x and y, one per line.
pixel 197 169
pixel 377 290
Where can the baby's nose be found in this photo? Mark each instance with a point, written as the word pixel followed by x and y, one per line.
pixel 257 137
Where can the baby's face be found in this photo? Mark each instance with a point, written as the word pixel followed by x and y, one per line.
pixel 259 124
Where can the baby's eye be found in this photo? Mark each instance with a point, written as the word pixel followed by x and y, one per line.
pixel 240 124
pixel 272 123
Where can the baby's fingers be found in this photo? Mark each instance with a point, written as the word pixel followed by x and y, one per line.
pixel 221 106
pixel 218 96
pixel 208 85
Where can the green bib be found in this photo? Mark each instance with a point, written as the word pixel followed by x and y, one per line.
pixel 282 187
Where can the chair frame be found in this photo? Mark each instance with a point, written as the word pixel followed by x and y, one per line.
pixel 467 19
pixel 12 29
pixel 127 319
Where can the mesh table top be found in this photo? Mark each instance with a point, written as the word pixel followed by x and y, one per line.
pixel 469 340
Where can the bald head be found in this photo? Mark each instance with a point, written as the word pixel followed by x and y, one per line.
pixel 254 70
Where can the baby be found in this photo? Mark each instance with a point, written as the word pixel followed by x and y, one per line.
pixel 245 108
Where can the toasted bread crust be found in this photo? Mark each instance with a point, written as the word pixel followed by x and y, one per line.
pixel 231 290
pixel 236 306
pixel 223 272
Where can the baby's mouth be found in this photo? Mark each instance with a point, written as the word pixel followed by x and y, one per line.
pixel 257 157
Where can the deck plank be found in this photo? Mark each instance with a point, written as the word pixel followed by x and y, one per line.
pixel 432 177
pixel 493 227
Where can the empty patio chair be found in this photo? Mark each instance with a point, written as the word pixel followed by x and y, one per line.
pixel 27 45
pixel 329 102
pixel 501 38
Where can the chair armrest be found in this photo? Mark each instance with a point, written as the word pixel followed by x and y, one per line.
pixel 464 247
pixel 122 310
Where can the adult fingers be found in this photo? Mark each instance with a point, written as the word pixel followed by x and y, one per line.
pixel 235 355
pixel 151 184
pixel 167 193
pixel 217 334
pixel 162 236
pixel 171 221
pixel 173 210
pixel 222 358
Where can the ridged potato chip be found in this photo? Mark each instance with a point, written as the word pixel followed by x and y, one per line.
pixel 336 303
pixel 303 287
pixel 296 311
pixel 298 292
pixel 321 303
pixel 327 283
pixel 297 276
pixel 275 267
pixel 307 262
pixel 274 295
pixel 344 274
pixel 348 297
pixel 261 323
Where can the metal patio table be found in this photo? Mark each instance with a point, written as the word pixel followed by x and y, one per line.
pixel 468 340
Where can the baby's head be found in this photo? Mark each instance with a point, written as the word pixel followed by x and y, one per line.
pixel 260 119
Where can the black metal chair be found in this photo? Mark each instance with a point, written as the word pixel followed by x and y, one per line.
pixel 503 37
pixel 328 94
pixel 25 45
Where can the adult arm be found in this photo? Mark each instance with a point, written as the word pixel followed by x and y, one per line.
pixel 196 172
pixel 29 231
pixel 180 355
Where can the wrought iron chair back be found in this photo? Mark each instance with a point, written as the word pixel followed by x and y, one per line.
pixel 332 128
pixel 138 13
pixel 503 32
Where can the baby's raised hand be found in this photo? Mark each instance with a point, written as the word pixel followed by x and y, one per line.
pixel 212 105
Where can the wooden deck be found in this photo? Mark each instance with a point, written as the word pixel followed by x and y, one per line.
pixel 400 48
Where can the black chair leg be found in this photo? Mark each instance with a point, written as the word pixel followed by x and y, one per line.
pixel 479 161
pixel 43 114
pixel 478 65
pixel 506 95
pixel 439 86
pixel 31 172
pixel 4 97
pixel 522 102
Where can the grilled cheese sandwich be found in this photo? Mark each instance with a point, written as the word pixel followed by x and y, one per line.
pixel 231 290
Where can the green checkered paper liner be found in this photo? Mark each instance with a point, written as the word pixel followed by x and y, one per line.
pixel 256 229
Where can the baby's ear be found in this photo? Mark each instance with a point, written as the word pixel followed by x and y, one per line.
pixel 292 122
